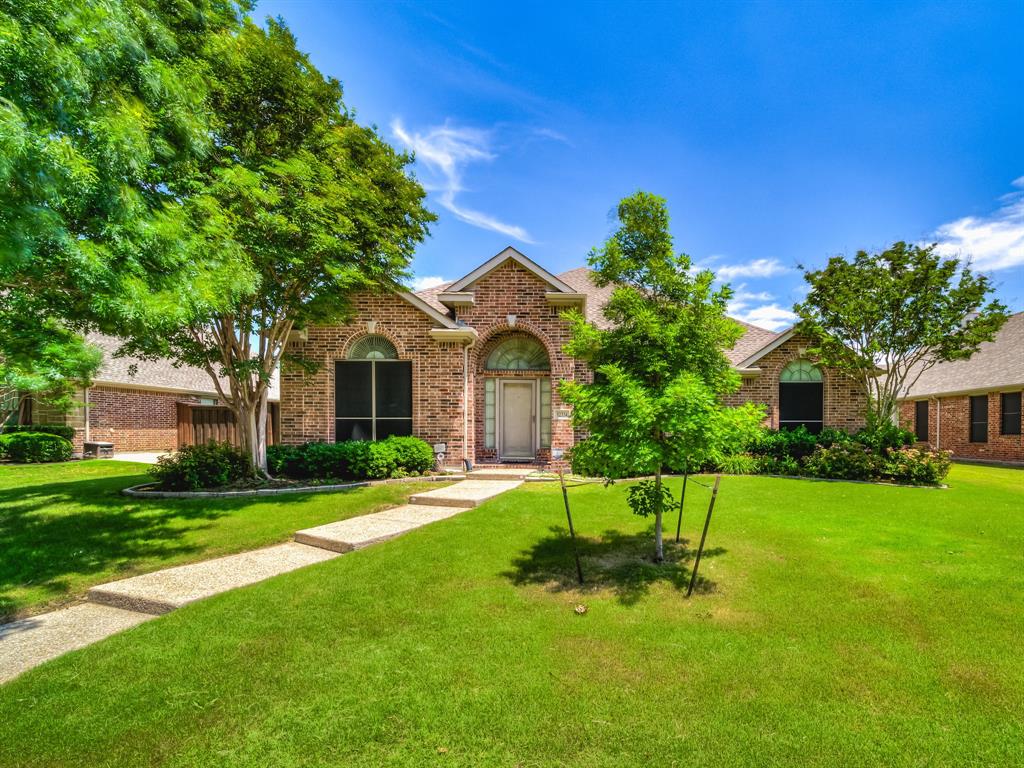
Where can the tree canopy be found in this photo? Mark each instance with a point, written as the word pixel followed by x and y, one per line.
pixel 885 318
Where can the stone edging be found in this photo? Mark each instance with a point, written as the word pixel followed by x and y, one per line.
pixel 140 492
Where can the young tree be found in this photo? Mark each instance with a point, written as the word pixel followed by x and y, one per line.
pixel 883 319
pixel 660 369
pixel 300 205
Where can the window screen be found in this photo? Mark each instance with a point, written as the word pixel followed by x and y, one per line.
pixel 801 397
pixel 921 420
pixel 979 419
pixel 372 399
pixel 1009 413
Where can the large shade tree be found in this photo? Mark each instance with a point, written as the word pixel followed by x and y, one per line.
pixel 298 205
pixel 885 318
pixel 660 370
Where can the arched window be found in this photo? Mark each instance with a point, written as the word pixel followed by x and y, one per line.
pixel 373 347
pixel 801 396
pixel 519 353
pixel 372 392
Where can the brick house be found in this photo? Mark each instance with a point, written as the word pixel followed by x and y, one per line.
pixel 473 366
pixel 973 407
pixel 144 405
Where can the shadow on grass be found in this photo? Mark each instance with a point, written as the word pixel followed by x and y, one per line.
pixel 615 561
pixel 52 532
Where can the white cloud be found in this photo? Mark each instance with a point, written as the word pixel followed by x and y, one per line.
pixel 446 151
pixel 991 242
pixel 755 268
pixel 427 281
pixel 770 316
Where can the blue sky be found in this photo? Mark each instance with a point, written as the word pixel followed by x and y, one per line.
pixel 780 134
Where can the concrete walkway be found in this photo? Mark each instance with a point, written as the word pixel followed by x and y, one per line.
pixel 119 605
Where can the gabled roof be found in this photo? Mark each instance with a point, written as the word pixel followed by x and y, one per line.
pixel 582 280
pixel 496 261
pixel 998 364
pixel 769 345
pixel 436 314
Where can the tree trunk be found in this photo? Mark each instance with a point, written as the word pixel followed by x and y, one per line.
pixel 252 433
pixel 659 511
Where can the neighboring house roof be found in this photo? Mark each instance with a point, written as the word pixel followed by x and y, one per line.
pixel 997 364
pixel 159 374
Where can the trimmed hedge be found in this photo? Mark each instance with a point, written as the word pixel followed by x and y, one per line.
pixel 352 459
pixel 198 467
pixel 61 430
pixel 34 447
pixel 882 454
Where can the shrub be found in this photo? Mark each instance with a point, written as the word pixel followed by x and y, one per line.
pixel 916 466
pixel 196 467
pixel 352 460
pixel 738 464
pixel 886 437
pixel 785 465
pixel 829 436
pixel 34 447
pixel 844 461
pixel 61 430
pixel 796 443
pixel 413 455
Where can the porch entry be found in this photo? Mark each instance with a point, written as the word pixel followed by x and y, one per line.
pixel 517 431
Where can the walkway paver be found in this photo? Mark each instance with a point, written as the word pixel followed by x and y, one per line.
pixel 358 532
pixel 163 591
pixel 119 605
pixel 467 494
pixel 26 643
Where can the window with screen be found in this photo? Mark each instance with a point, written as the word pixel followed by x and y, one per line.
pixel 1009 413
pixel 921 420
pixel 979 419
pixel 372 392
pixel 801 397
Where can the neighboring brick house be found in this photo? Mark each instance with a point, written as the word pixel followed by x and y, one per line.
pixel 973 407
pixel 473 367
pixel 142 405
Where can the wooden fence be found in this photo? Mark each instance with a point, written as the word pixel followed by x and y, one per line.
pixel 198 424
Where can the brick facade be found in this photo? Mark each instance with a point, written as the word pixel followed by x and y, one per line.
pixel 508 301
pixel 949 428
pixel 843 402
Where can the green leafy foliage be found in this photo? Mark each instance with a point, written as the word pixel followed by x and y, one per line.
pixel 352 459
pixel 61 430
pixel 34 447
pixel 646 497
pixel 660 367
pixel 884 318
pixel 844 461
pixel 739 464
pixel 197 467
pixel 916 466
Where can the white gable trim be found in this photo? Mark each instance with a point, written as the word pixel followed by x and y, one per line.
pixel 501 258
pixel 772 345
pixel 421 305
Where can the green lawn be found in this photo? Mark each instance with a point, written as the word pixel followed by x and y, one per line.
pixel 839 624
pixel 65 527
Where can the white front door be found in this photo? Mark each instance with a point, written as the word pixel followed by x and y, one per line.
pixel 517 401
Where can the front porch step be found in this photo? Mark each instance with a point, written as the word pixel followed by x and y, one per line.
pixel 467 494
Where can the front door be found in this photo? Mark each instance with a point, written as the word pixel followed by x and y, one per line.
pixel 518 419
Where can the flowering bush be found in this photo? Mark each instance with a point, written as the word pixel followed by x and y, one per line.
pixel 916 466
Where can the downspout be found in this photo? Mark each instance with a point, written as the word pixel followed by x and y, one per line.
pixel 465 402
pixel 86 438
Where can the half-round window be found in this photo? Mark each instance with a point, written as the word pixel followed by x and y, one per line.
pixel 800 370
pixel 520 353
pixel 373 347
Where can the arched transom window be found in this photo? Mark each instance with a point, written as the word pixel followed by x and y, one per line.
pixel 373 347
pixel 801 396
pixel 520 353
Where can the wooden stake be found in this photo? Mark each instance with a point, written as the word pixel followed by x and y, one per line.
pixel 703 536
pixel 682 498
pixel 572 531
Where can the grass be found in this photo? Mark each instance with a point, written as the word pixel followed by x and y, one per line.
pixel 836 624
pixel 65 527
